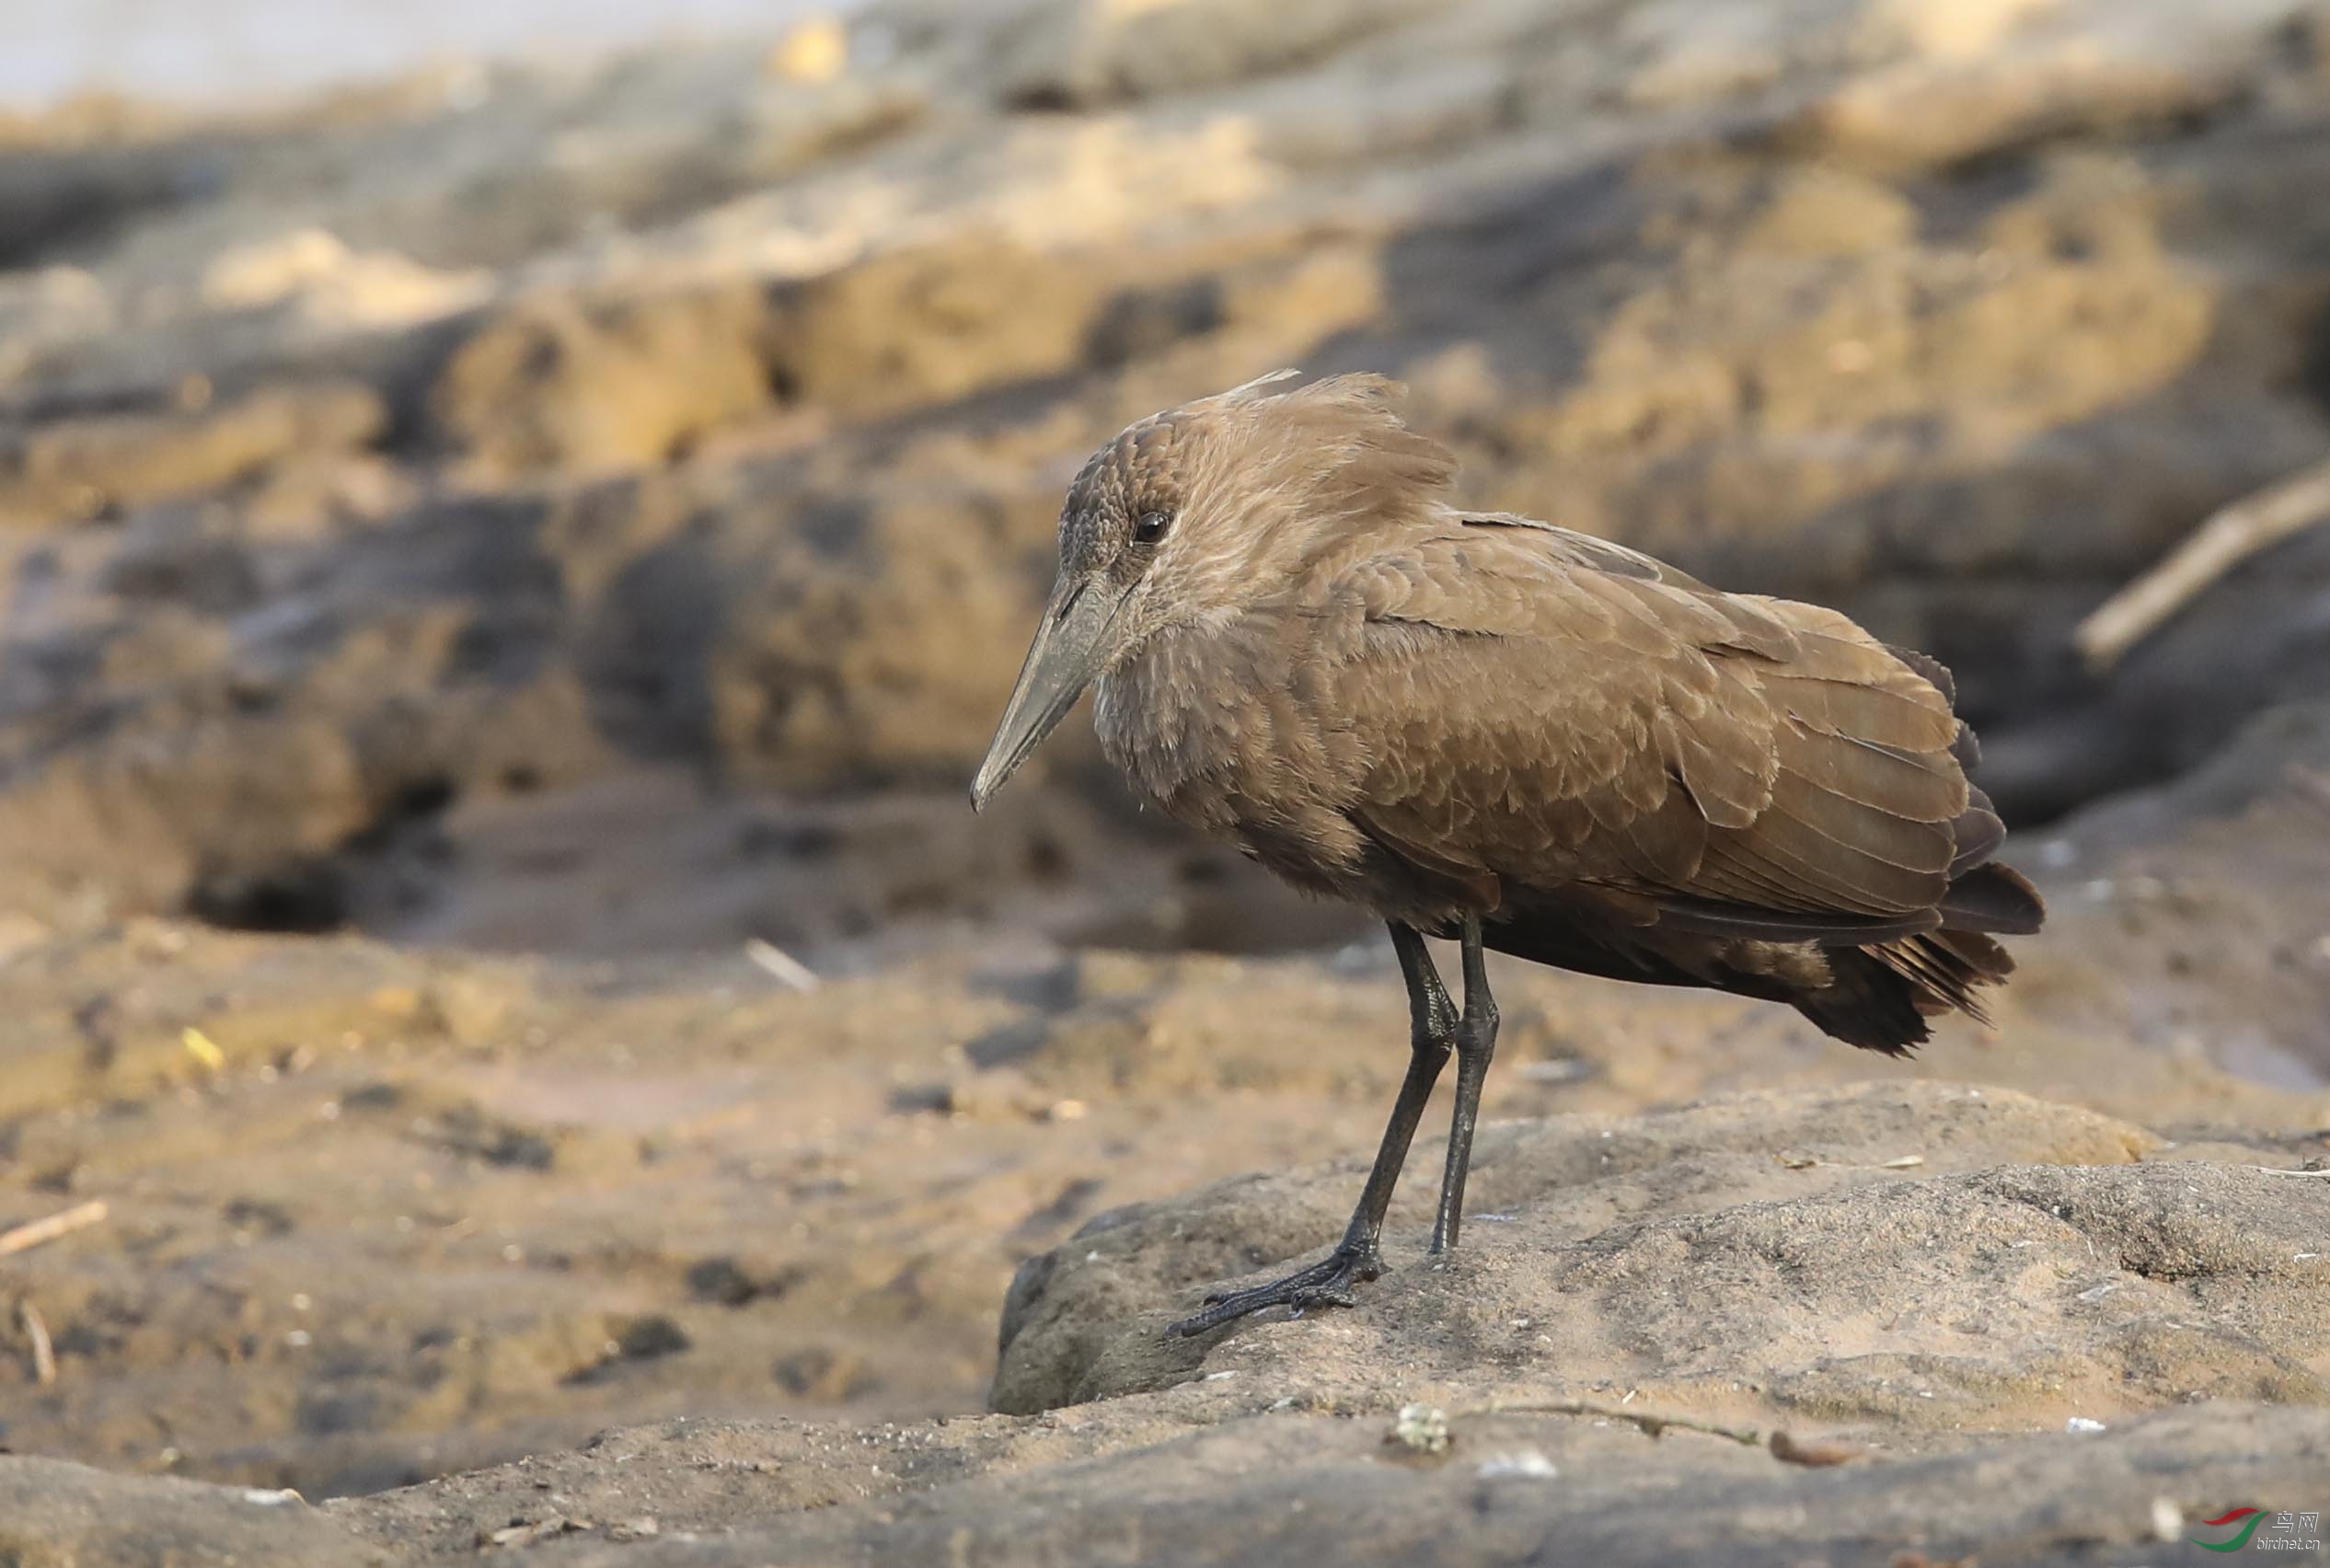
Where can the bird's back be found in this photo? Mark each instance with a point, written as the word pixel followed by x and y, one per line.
pixel 1624 771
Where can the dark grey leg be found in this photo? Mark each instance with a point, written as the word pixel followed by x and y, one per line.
pixel 1433 1030
pixel 1475 1044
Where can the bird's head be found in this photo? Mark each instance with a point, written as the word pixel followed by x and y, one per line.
pixel 1196 513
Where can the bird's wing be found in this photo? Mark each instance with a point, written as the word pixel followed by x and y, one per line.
pixel 1559 711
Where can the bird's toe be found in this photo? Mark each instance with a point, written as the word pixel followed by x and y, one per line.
pixel 1324 1283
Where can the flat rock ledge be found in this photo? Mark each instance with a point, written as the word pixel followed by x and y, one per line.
pixel 1906 1258
pixel 1889 1322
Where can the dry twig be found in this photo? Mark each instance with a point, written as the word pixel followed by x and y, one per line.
pixel 35 1231
pixel 783 967
pixel 1651 1423
pixel 44 1354
pixel 2230 537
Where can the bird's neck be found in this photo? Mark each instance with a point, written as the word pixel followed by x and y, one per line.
pixel 1225 695
pixel 1180 704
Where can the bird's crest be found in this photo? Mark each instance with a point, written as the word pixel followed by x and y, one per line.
pixel 1335 447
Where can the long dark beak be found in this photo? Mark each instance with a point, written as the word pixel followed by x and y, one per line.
pixel 1071 646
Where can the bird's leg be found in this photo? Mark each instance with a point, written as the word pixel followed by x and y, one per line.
pixel 1432 1032
pixel 1475 1044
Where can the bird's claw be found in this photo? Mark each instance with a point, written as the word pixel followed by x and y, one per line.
pixel 1324 1283
pixel 1311 1299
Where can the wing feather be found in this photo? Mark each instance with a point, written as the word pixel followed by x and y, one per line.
pixel 1598 719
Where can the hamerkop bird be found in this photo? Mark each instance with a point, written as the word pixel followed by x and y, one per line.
pixel 1491 729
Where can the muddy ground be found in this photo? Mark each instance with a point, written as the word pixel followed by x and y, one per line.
pixel 506 575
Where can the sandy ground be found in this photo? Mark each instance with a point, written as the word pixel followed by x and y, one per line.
pixel 428 1212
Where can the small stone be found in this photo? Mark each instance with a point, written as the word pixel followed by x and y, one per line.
pixel 1421 1428
pixel 1813 1453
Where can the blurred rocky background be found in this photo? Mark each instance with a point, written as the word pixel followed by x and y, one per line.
pixel 508 565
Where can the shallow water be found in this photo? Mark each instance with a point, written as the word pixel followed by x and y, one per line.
pixel 212 51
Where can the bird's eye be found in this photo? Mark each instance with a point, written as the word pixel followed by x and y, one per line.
pixel 1150 526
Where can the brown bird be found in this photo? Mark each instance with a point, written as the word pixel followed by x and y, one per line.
pixel 1485 727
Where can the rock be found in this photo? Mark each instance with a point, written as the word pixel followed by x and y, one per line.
pixel 63 194
pixel 1598 1222
pixel 562 382
pixel 1258 1489
pixel 231 815
pixel 824 1376
pixel 797 630
pixel 795 126
pixel 1746 335
pixel 1267 1490
pixel 2204 905
pixel 928 325
pixel 1823 211
pixel 178 568
pixel 311 273
pixel 1977 89
pixel 81 467
pixel 1083 52
pixel 71 1516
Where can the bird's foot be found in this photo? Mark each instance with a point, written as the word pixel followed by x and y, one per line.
pixel 1326 1283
